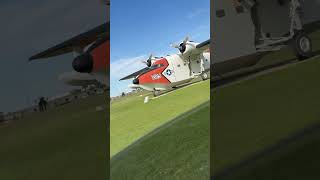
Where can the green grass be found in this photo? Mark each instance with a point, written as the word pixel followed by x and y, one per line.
pixel 253 114
pixel 131 119
pixel 177 150
pixel 68 142
pixel 297 161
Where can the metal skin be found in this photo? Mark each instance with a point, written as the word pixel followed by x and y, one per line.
pixel 101 61
pixel 173 71
pixel 101 58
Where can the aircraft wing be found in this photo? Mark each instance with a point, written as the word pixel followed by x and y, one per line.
pixel 135 74
pixel 204 45
pixel 199 49
pixel 79 41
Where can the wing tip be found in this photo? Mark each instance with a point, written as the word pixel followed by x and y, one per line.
pixel 31 58
pixel 34 57
pixel 125 78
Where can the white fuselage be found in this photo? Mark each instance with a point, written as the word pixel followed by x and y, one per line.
pixel 179 71
pixel 238 31
pixel 186 69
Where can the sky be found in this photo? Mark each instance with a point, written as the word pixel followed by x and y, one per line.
pixel 140 27
pixel 28 27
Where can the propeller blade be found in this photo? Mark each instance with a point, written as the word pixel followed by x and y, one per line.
pixel 150 57
pixel 174 45
pixel 144 62
pixel 148 62
pixel 185 40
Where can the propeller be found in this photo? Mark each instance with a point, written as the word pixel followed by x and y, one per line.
pixel 182 46
pixel 148 61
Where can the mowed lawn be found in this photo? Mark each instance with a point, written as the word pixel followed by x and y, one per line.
pixel 131 119
pixel 69 142
pixel 253 114
pixel 298 160
pixel 177 150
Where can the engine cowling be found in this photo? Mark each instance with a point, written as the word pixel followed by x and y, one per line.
pixel 135 81
pixel 96 58
pixel 83 63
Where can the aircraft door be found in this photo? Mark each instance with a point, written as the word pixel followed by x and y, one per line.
pixel 180 67
pixel 273 17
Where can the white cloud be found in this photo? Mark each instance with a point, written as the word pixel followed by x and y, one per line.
pixel 121 68
pixel 124 66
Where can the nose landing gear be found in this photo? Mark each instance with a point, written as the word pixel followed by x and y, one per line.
pixel 155 93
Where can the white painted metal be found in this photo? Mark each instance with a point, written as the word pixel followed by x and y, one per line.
pixel 228 27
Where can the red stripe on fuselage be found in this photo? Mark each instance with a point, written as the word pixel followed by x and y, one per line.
pixel 155 76
pixel 100 55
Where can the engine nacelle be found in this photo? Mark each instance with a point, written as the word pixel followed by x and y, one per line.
pixel 190 49
pixel 83 63
pixel 96 58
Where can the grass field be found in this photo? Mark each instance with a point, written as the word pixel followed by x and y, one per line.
pixel 298 160
pixel 131 119
pixel 69 142
pixel 177 150
pixel 254 114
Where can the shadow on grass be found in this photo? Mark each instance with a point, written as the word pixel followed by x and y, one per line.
pixel 294 157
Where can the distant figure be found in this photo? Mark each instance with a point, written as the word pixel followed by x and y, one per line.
pixel 42 104
pixel 45 102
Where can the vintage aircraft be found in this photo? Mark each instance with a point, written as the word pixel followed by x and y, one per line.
pixel 243 31
pixel 91 51
pixel 163 73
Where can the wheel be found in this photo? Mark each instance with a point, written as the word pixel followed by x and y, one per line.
pixel 204 76
pixel 155 93
pixel 302 46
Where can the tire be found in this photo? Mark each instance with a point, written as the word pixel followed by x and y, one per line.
pixel 302 46
pixel 155 93
pixel 204 76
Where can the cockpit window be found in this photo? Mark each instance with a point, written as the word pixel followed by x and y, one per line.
pixel 153 67
pixel 156 66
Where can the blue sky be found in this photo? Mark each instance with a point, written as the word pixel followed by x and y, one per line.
pixel 141 27
pixel 30 27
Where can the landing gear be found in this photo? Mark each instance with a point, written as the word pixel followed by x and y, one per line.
pixel 302 46
pixel 155 93
pixel 204 76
